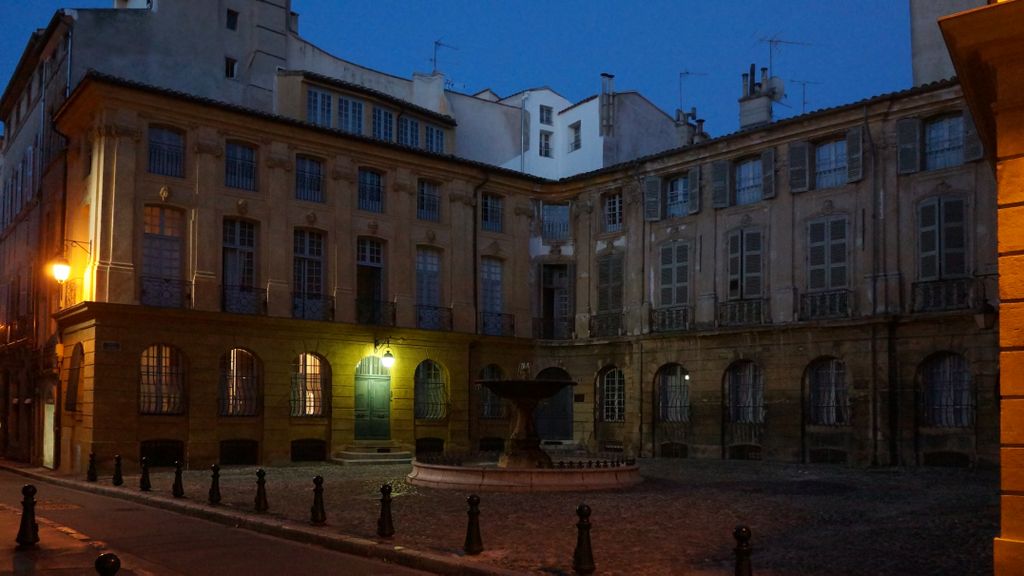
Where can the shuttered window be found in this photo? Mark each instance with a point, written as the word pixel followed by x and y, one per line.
pixel 674 274
pixel 745 264
pixel 609 283
pixel 827 253
pixel 937 143
pixel 748 182
pixel 942 238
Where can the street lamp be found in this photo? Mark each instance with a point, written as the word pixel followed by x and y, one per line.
pixel 388 359
pixel 61 269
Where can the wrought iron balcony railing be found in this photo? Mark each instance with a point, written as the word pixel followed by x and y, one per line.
pixel 309 306
pixel 433 317
pixel 670 319
pixel 242 299
pixel 375 312
pixel 821 305
pixel 605 324
pixel 938 295
pixel 163 292
pixel 552 328
pixel 742 312
pixel 497 324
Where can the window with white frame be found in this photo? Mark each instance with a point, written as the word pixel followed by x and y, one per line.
pixel 829 402
pixel 947 392
pixel 492 290
pixel 673 394
pixel 677 197
pixel 555 222
pixel 309 179
pixel 162 380
pixel 748 181
pixel 350 115
pixel 575 136
pixel 545 144
pixel 745 393
pixel 613 396
pixel 370 252
pixel 612 212
pixel 310 385
pixel 240 166
pixel 383 124
pixel 430 393
pixel 239 383
pixel 830 170
pixel 937 142
pixel 239 267
pixel 308 274
pixel 944 142
pixel 371 191
pixel 428 201
pixel 435 139
pixel 546 115
pixel 827 253
pixel 428 277
pixel 674 274
pixel 745 263
pixel 166 151
pixel 318 107
pixel 409 132
pixel 490 213
pixel 942 238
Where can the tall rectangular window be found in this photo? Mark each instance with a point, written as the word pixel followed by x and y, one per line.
pixel 239 267
pixel 318 107
pixel 166 152
pixel 231 20
pixel 308 300
pixel 575 136
pixel 546 115
pixel 613 212
pixel 230 67
pixel 435 139
pixel 240 166
pixel 309 179
pixel 609 283
pixel 428 201
pixel 830 168
pixel 490 213
pixel 371 191
pixel 491 296
pixel 675 274
pixel 383 124
pixel 408 132
pixel 745 263
pixel 944 142
pixel 942 238
pixel 428 277
pixel 555 222
pixel 545 144
pixel 826 253
pixel 748 181
pixel 350 115
pixel 677 197
pixel 162 257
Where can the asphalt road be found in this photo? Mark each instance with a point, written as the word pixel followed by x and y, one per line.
pixel 158 542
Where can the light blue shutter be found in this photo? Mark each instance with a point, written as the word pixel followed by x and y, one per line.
pixel 693 184
pixel 652 198
pixel 720 183
pixel 799 167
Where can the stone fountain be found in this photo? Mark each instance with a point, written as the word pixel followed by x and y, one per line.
pixel 524 466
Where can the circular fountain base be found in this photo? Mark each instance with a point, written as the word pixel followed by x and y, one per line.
pixel 490 478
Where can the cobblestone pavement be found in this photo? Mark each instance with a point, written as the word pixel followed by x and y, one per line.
pixel 805 519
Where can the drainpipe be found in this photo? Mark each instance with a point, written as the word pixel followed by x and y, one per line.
pixel 476 251
pixel 522 132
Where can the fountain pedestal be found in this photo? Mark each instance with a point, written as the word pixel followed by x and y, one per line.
pixel 522 449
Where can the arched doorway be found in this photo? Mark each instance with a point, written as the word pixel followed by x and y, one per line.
pixel 373 400
pixel 553 417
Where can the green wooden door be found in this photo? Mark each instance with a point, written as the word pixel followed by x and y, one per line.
pixel 373 400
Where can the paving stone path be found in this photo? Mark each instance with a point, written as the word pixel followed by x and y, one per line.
pixel 805 519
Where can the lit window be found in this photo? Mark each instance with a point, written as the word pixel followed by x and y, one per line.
pixel 310 385
pixel 239 384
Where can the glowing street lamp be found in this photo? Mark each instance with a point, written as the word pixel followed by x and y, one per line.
pixel 388 359
pixel 61 269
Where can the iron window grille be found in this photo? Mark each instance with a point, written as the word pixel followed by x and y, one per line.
pixel 166 152
pixel 309 179
pixel 948 394
pixel 490 213
pixel 310 385
pixel 371 191
pixel 430 396
pixel 239 384
pixel 240 166
pixel 428 201
pixel 673 394
pixel 613 396
pixel 829 401
pixel 161 380
pixel 745 393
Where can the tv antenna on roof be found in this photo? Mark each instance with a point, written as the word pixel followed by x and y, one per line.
pixel 773 43
pixel 683 74
pixel 803 92
pixel 439 44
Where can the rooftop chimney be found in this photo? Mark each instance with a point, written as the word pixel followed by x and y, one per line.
pixel 607 104
pixel 756 103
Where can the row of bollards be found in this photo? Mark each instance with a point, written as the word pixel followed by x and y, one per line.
pixel 28 534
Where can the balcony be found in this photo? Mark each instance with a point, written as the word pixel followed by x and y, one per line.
pixel 939 295
pixel 162 292
pixel 552 328
pixel 742 312
pixel 433 317
pixel 166 159
pixel 555 230
pixel 606 324
pixel 375 312
pixel 242 299
pixel 497 324
pixel 671 319
pixel 824 305
pixel 309 306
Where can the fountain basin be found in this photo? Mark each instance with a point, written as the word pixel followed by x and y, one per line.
pixel 491 478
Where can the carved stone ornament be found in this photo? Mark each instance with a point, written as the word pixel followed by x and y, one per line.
pixel 165 193
pixel 282 162
pixel 745 220
pixel 466 199
pixel 584 208
pixel 120 131
pixel 431 236
pixel 556 250
pixel 827 207
pixel 521 210
pixel 208 147
pixel 493 249
pixel 311 218
pixel 242 207
pixel 373 226
pixel 943 187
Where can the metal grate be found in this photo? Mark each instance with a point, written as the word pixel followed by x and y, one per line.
pixel 239 384
pixel 161 380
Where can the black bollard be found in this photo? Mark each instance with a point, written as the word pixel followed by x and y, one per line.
pixel 214 495
pixel 317 515
pixel 385 525
pixel 28 532
pixel 474 544
pixel 261 491
pixel 118 477
pixel 177 489
pixel 90 474
pixel 743 549
pixel 144 483
pixel 583 556
pixel 107 564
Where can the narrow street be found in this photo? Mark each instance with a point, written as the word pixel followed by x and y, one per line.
pixel 153 541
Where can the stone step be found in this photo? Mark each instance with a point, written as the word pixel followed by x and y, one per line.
pixel 351 457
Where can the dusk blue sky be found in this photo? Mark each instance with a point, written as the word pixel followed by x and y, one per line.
pixel 849 49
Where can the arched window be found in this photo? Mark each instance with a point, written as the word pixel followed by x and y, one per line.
pixel 161 380
pixel 745 393
pixel 613 396
pixel 74 379
pixel 310 385
pixel 239 384
pixel 491 405
pixel 829 400
pixel 431 394
pixel 947 392
pixel 673 394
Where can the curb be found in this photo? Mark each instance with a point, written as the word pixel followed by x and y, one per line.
pixel 389 553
